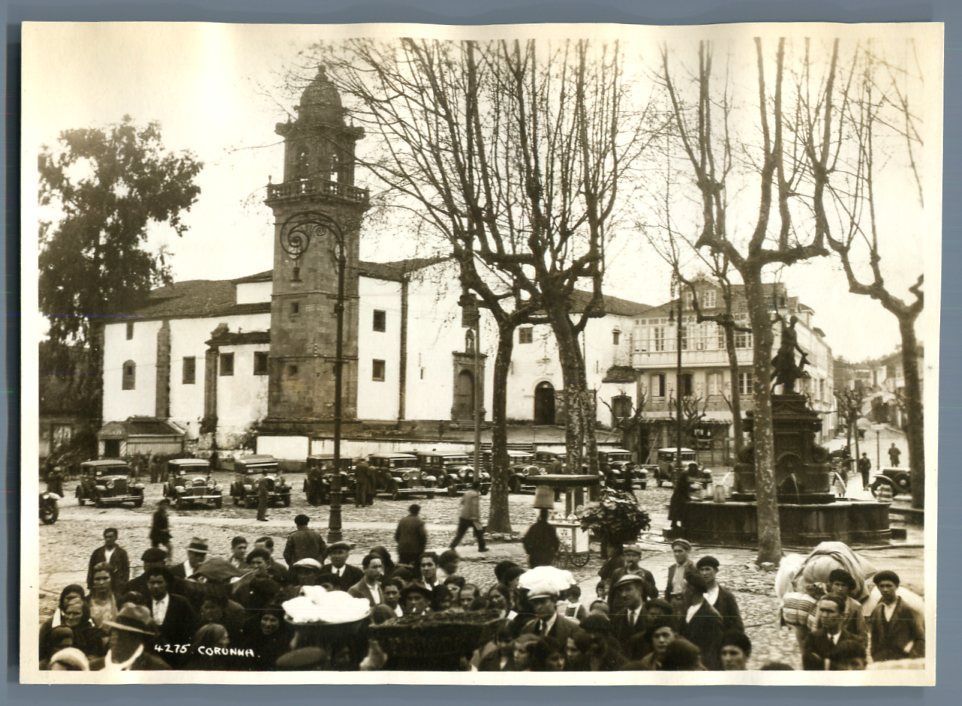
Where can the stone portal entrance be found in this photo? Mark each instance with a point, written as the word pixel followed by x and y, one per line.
pixel 544 408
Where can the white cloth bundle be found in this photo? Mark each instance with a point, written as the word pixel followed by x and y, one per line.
pixel 315 605
pixel 546 579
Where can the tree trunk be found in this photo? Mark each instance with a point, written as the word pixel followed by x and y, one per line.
pixel 766 492
pixel 735 404
pixel 915 430
pixel 580 440
pixel 499 518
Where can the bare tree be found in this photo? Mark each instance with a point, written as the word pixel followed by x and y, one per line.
pixel 849 401
pixel 634 425
pixel 877 118
pixel 513 151
pixel 773 238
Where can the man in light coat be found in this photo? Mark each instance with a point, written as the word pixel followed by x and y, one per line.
pixel 470 517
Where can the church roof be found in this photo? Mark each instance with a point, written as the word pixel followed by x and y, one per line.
pixel 616 306
pixel 320 101
pixel 196 298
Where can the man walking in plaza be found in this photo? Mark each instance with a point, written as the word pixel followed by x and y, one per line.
pixel 304 543
pixel 411 537
pixel 864 468
pixel 895 455
pixel 263 497
pixel 470 517
pixel 113 556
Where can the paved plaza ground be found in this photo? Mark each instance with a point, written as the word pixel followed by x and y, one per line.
pixel 66 546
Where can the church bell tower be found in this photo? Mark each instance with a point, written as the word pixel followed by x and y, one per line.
pixel 319 155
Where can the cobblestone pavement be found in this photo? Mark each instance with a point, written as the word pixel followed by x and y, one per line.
pixel 66 546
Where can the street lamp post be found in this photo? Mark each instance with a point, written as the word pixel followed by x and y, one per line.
pixel 296 235
pixel 471 319
pixel 676 287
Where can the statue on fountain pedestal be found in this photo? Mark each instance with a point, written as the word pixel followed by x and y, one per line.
pixel 786 370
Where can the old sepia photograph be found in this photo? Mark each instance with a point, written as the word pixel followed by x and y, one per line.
pixel 461 355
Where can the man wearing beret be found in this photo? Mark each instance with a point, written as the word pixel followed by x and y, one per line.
pixel 702 625
pixel 898 632
pixel 719 597
pixel 629 593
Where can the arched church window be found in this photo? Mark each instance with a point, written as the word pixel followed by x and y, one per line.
pixel 301 162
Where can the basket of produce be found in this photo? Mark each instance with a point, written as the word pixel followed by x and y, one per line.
pixel 434 641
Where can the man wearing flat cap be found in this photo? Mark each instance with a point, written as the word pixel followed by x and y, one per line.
pixel 340 574
pixel 547 622
pixel 632 557
pixel 677 573
pixel 132 633
pixel 898 632
pixel 719 597
pixel 842 583
pixel 304 543
pixel 629 593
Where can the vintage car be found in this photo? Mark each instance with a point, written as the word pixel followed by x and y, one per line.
pixel 664 469
pixel 454 470
pixel 899 480
pixel 249 471
pixel 398 475
pixel 108 482
pixel 189 483
pixel 319 479
pixel 620 471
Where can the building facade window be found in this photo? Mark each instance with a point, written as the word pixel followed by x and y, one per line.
pixel 189 370
pixel 720 337
pixel 296 274
pixel 295 308
pixel 686 384
pixel 714 383
pixel 658 338
pixel 743 339
pixel 380 320
pixel 292 371
pixel 130 330
pixel 226 364
pixel 658 385
pixel 745 383
pixel 129 375
pixel 377 370
pixel 260 362
pixel 525 334
pixel 684 337
pixel 615 337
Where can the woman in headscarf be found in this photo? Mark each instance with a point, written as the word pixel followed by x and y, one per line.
pixel 102 603
pixel 269 636
pixel 73 593
pixel 204 650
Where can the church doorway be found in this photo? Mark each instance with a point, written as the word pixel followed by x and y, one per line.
pixel 464 396
pixel 544 411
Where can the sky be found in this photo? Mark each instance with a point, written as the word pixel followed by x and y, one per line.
pixel 217 91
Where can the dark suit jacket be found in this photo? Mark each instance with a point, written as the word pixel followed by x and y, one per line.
pixel 304 544
pixel 179 624
pixel 727 608
pixel 410 535
pixel 705 631
pixel 562 629
pixel 818 647
pixel 361 590
pixel 890 638
pixel 350 576
pixel 119 568
pixel 623 632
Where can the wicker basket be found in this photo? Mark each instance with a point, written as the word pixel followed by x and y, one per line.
pixel 433 642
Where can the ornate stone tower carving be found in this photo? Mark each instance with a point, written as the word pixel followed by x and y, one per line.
pixel 319 154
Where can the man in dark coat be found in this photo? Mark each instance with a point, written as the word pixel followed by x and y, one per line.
pixel 411 537
pixel 541 542
pixel 820 643
pixel 152 559
pixel 680 497
pixel 364 483
pixel 339 573
pixel 304 543
pixel 369 587
pixel 895 455
pixel 898 632
pixel 173 615
pixel 160 527
pixel 865 469
pixel 114 556
pixel 263 497
pixel 131 636
pixel 547 622
pixel 628 622
pixel 702 625
pixel 719 597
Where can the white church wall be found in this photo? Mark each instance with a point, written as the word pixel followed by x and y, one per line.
pixel 254 292
pixel 141 348
pixel 378 399
pixel 241 397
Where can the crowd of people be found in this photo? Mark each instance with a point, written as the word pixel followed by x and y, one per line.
pixel 227 611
